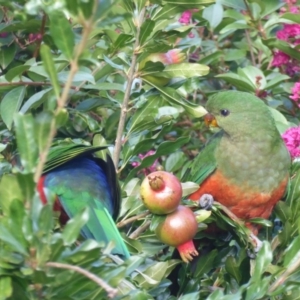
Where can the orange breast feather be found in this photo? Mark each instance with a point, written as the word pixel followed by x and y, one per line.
pixel 241 200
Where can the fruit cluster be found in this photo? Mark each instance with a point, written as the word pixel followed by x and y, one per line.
pixel 161 193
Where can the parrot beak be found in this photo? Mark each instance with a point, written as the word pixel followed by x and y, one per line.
pixel 210 120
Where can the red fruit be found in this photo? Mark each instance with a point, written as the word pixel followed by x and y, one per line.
pixel 178 230
pixel 161 192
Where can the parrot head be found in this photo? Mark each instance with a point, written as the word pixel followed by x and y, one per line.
pixel 230 110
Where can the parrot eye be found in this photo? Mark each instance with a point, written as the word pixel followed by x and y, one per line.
pixel 224 112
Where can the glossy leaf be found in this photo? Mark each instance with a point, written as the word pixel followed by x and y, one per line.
pixel 26 141
pixel 62 33
pixel 11 104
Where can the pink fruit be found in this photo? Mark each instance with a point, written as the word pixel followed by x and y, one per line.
pixel 161 192
pixel 178 230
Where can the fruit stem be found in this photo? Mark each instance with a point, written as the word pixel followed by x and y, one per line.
pixel 187 251
pixel 156 183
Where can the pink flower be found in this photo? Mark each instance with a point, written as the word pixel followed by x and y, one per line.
pixel 292 68
pixel 280 58
pixel 291 138
pixel 288 31
pixel 150 169
pixel 186 16
pixel 294 9
pixel 296 92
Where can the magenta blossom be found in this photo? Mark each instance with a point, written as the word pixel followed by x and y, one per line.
pixel 291 138
pixel 150 169
pixel 186 17
pixel 296 92
pixel 280 58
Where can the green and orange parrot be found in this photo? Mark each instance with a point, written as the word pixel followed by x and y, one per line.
pixel 80 180
pixel 245 166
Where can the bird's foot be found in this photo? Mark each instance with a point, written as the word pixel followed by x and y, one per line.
pixel 206 201
pixel 257 244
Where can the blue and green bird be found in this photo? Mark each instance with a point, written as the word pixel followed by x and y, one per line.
pixel 80 180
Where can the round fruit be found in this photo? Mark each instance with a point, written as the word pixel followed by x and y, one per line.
pixel 178 227
pixel 161 192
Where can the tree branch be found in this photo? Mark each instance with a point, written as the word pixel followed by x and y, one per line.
pixel 140 230
pixel 111 292
pixel 62 100
pixel 130 77
pixel 132 219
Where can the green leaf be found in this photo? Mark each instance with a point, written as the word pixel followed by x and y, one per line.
pixel 5 287
pixel 254 75
pixel 140 4
pixel 233 268
pixel 188 3
pixel 154 274
pixel 239 24
pixel 283 211
pixel 263 259
pixel 26 141
pixel 7 55
pixel 27 186
pixel 35 100
pixel 237 81
pixel 290 16
pixel 213 14
pixel 184 70
pixel 122 40
pixel 276 80
pixel 174 161
pixel 9 190
pixel 146 31
pixel 80 76
pixel 50 68
pixel 16 71
pixel 236 4
pixel 189 188
pixel 11 104
pixel 234 54
pixel 173 97
pixel 7 237
pixel 45 221
pixel 292 253
pixel 156 220
pixel 166 12
pixel 42 129
pixel 283 46
pixel 86 7
pixel 205 263
pixel 62 33
pixel 73 227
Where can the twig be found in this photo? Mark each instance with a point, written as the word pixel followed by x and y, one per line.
pixel 140 230
pixel 111 292
pixel 62 100
pixel 132 219
pixel 42 32
pixel 229 213
pixel 250 47
pixel 130 77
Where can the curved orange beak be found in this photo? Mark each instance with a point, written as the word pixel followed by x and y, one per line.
pixel 210 120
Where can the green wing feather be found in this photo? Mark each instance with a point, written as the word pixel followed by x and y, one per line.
pixel 61 154
pixel 204 163
pixel 106 231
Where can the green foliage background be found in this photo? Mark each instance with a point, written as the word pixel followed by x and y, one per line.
pixel 70 72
